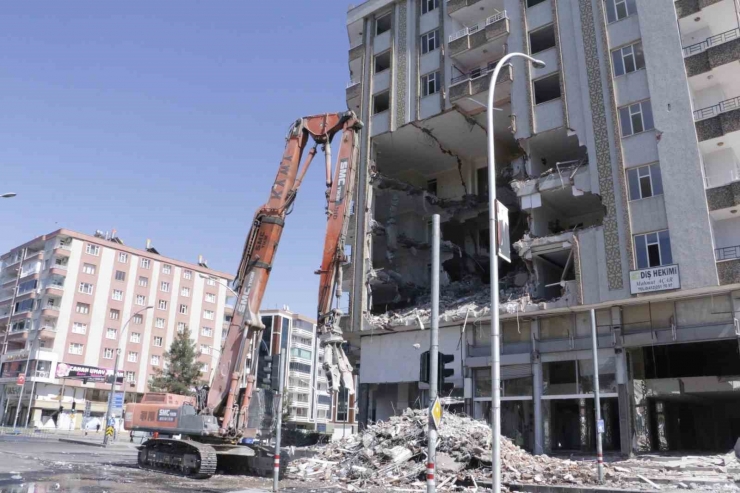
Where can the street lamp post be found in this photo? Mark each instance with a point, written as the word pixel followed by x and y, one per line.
pixel 218 281
pixel 495 357
pixel 115 372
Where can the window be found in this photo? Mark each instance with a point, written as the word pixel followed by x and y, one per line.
pixel 547 88
pixel 432 186
pixel 430 84
pixel 145 263
pixel 155 360
pixel 653 249
pixel 211 281
pixel 381 102
pixel 210 298
pixel 188 274
pixel 382 24
pixel 76 348
pixel 92 249
pixel 429 41
pixel 143 281
pixel 185 292
pixel 205 349
pixel 619 9
pixel 131 377
pixel 181 326
pixel 300 353
pixel 111 333
pixel 83 308
pixel 532 3
pixel 120 275
pixel 628 59
pixel 541 39
pixel 86 288
pixel 114 314
pixel 636 118
pixel 88 269
pixel 79 328
pixel 140 299
pixel 117 295
pixel 166 269
pixel 108 353
pixel 184 309
pixel 135 337
pixel 206 331
pixel 644 182
pixel 159 323
pixel 157 341
pixel 208 314
pixel 204 368
pixel 162 305
pixel 429 5
pixel 122 257
pixel 138 319
pixel 164 286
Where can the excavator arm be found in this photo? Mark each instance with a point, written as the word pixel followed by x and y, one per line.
pixel 238 360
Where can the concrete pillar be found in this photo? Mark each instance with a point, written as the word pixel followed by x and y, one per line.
pixel 624 399
pixel 539 439
pixel 364 398
pixel 583 415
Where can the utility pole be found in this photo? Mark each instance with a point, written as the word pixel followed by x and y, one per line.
pixel 433 358
pixel 597 400
pixel 278 427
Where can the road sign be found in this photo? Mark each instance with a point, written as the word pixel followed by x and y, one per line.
pixel 88 405
pixel 21 380
pixel 436 413
pixel 600 426
pixel 109 431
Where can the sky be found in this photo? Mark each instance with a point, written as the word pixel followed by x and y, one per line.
pixel 167 120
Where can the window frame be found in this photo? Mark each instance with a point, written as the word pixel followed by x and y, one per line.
pixel 164 286
pixel 185 292
pixel 209 312
pixel 145 263
pixel 85 308
pixel 121 274
pixel 187 274
pixel 612 12
pixel 622 57
pixel 544 77
pixel 166 269
pixel 132 375
pixel 181 326
pixel 108 353
pixel 108 333
pixel 92 249
pixel 210 298
pixel 429 6
pixel 137 319
pixel 162 305
pixel 659 235
pixel 631 114
pixel 654 177
pixel 158 325
pixel 88 269
pixel 117 295
pixel 135 338
pixel 140 300
pixel 123 257
pixel 152 360
pixel 113 312
pixel 86 285
pixel 425 80
pixel 79 328
pixel 378 18
pixel 132 357
pixel 183 309
pixel 206 331
pixel 154 341
pixel 429 38
pixel 76 345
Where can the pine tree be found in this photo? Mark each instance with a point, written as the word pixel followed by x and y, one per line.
pixel 181 372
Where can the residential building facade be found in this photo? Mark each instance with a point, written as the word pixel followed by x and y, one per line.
pixel 67 299
pixel 617 162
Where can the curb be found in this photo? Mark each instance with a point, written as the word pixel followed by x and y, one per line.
pixel 81 442
pixel 544 488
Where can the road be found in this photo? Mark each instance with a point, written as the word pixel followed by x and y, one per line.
pixel 41 465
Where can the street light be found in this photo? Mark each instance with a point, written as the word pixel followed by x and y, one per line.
pixel 495 358
pixel 115 372
pixel 218 281
pixel 8 195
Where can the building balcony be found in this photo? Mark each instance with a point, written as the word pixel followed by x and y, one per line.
pixel 467 12
pixel 470 91
pixel 685 8
pixel 354 94
pixel 295 403
pixel 471 45
pixel 299 419
pixel 50 311
pixel 58 269
pixel 357 50
pixel 726 176
pixel 723 122
pixel 724 197
pixel 728 265
pixel 62 250
pixel 717 109
pixel 713 52
pixel 297 359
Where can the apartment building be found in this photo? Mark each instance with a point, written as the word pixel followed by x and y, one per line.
pixel 617 162
pixel 308 403
pixel 67 299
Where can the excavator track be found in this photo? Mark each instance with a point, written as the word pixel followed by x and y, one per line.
pixel 178 457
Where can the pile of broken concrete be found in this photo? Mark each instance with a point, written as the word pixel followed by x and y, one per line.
pixel 392 454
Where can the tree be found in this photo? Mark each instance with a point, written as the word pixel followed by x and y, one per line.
pixel 181 373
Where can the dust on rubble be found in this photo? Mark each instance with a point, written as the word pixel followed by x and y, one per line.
pixel 392 455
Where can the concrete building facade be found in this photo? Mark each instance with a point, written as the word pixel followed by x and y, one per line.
pixel 618 165
pixel 66 298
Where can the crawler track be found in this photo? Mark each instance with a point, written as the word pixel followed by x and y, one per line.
pixel 179 457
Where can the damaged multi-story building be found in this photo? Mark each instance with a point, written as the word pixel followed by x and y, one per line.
pixel 618 163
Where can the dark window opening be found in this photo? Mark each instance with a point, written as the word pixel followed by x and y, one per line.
pixel 381 102
pixel 547 89
pixel 382 24
pixel 382 61
pixel 541 39
pixel 532 3
pixel 432 186
pixel 482 177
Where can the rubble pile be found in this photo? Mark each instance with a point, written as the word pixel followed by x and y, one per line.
pixel 393 454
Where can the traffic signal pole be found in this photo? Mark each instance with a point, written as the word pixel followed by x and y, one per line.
pixel 433 357
pixel 283 359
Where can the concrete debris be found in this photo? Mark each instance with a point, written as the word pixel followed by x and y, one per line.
pixel 451 206
pixel 392 454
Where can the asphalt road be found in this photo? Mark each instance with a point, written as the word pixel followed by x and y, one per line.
pixel 41 465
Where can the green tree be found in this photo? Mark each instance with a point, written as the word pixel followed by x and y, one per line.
pixel 181 373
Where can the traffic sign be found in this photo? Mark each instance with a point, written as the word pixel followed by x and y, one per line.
pixel 109 431
pixel 436 413
pixel 21 380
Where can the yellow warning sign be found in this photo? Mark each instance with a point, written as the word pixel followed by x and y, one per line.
pixel 109 431
pixel 436 413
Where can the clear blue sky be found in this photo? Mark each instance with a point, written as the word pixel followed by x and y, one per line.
pixel 166 120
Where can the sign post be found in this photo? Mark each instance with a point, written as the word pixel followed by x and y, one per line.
pixel 21 380
pixel 433 361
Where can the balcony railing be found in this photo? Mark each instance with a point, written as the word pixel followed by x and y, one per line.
pixel 475 73
pixel 58 266
pixel 54 308
pixel 481 25
pixel 727 253
pixel 720 179
pixel 715 40
pixel 723 107
pixel 63 246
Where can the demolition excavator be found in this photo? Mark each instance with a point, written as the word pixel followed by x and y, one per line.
pixel 213 424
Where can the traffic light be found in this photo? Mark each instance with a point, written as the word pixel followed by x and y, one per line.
pixel 424 367
pixel 444 372
pixel 264 372
pixel 275 375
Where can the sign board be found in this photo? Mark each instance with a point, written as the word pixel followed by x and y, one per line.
pixel 21 379
pixel 79 372
pixel 436 413
pixel 321 427
pixel 600 426
pixel 167 415
pixel 654 279
pixel 88 405
pixel 502 232
pixel 117 402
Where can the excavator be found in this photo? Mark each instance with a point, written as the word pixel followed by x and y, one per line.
pixel 213 424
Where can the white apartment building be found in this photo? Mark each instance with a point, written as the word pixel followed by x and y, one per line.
pixel 618 162
pixel 67 299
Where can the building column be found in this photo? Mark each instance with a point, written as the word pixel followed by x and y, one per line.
pixel 363 396
pixel 539 439
pixel 624 400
